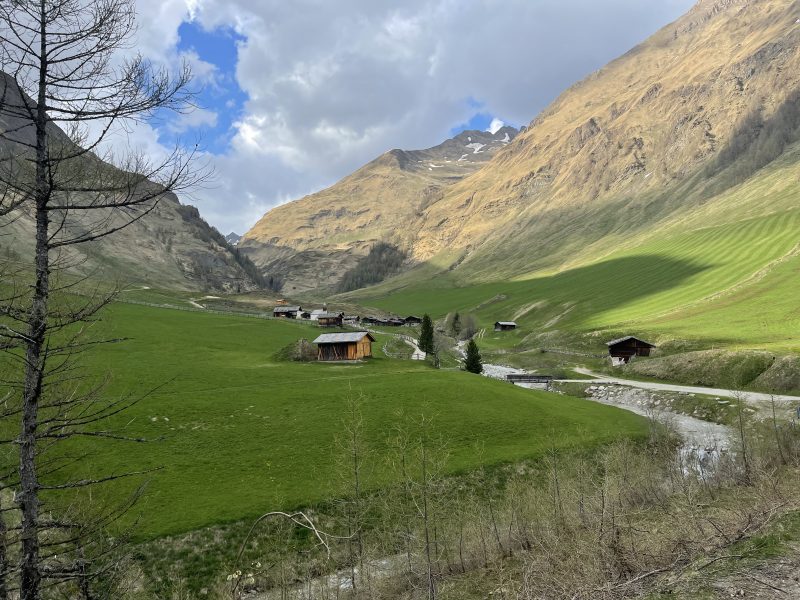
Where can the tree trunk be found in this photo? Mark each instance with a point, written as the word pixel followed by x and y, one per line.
pixel 3 554
pixel 30 575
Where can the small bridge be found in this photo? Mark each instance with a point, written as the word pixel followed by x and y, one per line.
pixel 526 378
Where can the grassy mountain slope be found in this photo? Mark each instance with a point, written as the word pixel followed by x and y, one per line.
pixel 631 145
pixel 725 273
pixel 700 241
pixel 697 108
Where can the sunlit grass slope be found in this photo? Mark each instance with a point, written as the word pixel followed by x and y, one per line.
pixel 705 269
pixel 240 433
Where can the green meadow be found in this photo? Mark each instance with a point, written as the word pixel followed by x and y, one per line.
pixel 235 432
pixel 733 285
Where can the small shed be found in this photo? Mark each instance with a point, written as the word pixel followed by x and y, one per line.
pixel 330 319
pixel 505 326
pixel 286 312
pixel 622 350
pixel 351 319
pixel 344 346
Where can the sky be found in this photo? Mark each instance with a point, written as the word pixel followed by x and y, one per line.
pixel 293 95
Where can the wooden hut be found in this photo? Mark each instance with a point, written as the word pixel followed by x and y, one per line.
pixel 622 350
pixel 412 320
pixel 330 319
pixel 505 326
pixel 344 346
pixel 286 312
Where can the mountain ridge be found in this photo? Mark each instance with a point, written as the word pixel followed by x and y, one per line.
pixel 314 240
pixel 613 155
pixel 174 247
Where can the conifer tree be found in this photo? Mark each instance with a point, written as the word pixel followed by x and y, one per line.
pixel 473 362
pixel 426 335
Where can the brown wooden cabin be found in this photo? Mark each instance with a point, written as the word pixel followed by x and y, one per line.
pixel 344 346
pixel 330 319
pixel 624 349
pixel 286 312
pixel 412 320
pixel 505 326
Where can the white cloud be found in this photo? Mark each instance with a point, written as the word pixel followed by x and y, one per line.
pixel 495 126
pixel 197 117
pixel 334 84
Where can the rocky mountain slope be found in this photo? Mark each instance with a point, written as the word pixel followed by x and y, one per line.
pixel 314 240
pixel 652 133
pixel 661 131
pixel 173 247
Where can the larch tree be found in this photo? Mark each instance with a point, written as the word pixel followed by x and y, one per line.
pixel 66 87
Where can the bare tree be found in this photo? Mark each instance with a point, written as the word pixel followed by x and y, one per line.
pixel 64 78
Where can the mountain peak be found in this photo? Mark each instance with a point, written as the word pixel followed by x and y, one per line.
pixel 629 140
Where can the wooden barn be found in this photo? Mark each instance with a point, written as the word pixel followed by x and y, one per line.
pixel 286 312
pixel 624 349
pixel 412 320
pixel 505 326
pixel 344 346
pixel 330 319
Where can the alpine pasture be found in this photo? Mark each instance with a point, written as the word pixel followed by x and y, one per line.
pixel 727 284
pixel 235 432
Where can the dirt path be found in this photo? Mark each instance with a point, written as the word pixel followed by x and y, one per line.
pixel 417 354
pixel 752 397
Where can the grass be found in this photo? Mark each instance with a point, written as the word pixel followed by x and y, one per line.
pixel 239 433
pixel 720 272
pixel 728 284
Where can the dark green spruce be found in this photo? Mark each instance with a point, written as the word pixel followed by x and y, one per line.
pixel 426 336
pixel 473 362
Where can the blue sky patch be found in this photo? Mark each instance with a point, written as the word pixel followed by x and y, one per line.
pixel 219 94
pixel 479 121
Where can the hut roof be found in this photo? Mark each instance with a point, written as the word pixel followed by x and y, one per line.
pixel 626 338
pixel 509 323
pixel 283 309
pixel 329 315
pixel 340 338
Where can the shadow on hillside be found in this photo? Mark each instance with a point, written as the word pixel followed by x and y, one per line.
pixel 602 287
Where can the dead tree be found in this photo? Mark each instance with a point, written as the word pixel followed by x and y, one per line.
pixel 64 77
